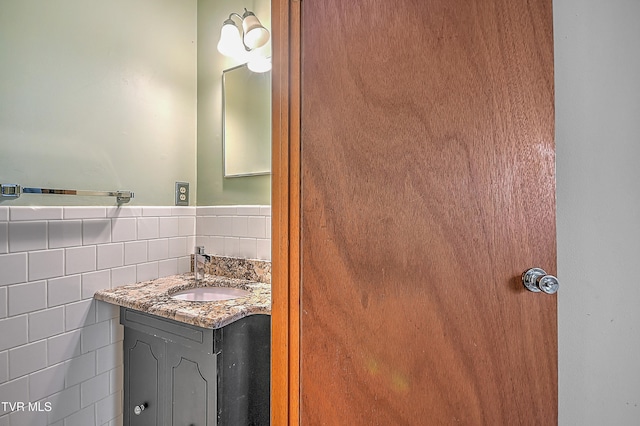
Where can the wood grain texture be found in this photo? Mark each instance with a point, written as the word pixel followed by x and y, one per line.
pixel 428 187
pixel 295 212
pixel 285 315
pixel 280 214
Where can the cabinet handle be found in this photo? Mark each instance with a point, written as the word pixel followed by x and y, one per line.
pixel 138 409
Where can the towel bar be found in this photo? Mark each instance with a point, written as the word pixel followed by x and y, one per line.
pixel 11 190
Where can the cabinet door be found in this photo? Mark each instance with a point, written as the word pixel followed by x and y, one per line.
pixel 192 386
pixel 142 364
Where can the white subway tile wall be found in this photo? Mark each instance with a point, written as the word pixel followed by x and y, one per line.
pixel 4 366
pixel 238 231
pixel 4 237
pixel 58 345
pixel 65 233
pixel 3 302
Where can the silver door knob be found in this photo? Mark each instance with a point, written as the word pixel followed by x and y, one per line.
pixel 138 409
pixel 536 280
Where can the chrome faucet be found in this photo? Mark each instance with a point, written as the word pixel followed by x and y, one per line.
pixel 199 260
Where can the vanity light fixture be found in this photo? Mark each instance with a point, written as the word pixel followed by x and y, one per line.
pixel 259 64
pixel 254 35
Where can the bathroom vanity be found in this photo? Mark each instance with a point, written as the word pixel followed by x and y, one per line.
pixel 180 374
pixel 195 363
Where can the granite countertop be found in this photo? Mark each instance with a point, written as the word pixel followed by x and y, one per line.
pixel 154 297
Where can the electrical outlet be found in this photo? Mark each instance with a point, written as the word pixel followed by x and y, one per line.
pixel 182 193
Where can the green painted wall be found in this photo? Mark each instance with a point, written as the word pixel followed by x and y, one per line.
pixel 213 188
pixel 98 95
pixel 124 94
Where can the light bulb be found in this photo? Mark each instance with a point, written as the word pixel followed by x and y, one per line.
pixel 230 43
pixel 259 64
pixel 255 35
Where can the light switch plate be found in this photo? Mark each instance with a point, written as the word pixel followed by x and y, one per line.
pixel 182 193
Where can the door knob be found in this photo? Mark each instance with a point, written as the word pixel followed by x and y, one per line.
pixel 138 409
pixel 536 280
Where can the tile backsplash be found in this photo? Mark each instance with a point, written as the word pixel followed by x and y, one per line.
pixel 235 231
pixel 59 347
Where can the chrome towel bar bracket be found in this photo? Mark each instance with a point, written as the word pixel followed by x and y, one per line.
pixel 11 190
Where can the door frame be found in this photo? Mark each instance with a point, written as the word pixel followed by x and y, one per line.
pixel 285 210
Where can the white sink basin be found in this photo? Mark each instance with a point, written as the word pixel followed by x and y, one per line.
pixel 210 294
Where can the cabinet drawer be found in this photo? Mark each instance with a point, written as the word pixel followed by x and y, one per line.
pixel 169 330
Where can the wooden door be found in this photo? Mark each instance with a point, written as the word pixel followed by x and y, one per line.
pixel 427 188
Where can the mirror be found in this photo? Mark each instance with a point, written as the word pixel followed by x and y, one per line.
pixel 246 124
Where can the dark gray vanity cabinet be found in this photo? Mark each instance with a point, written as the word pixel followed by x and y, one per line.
pixel 177 374
pixel 144 357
